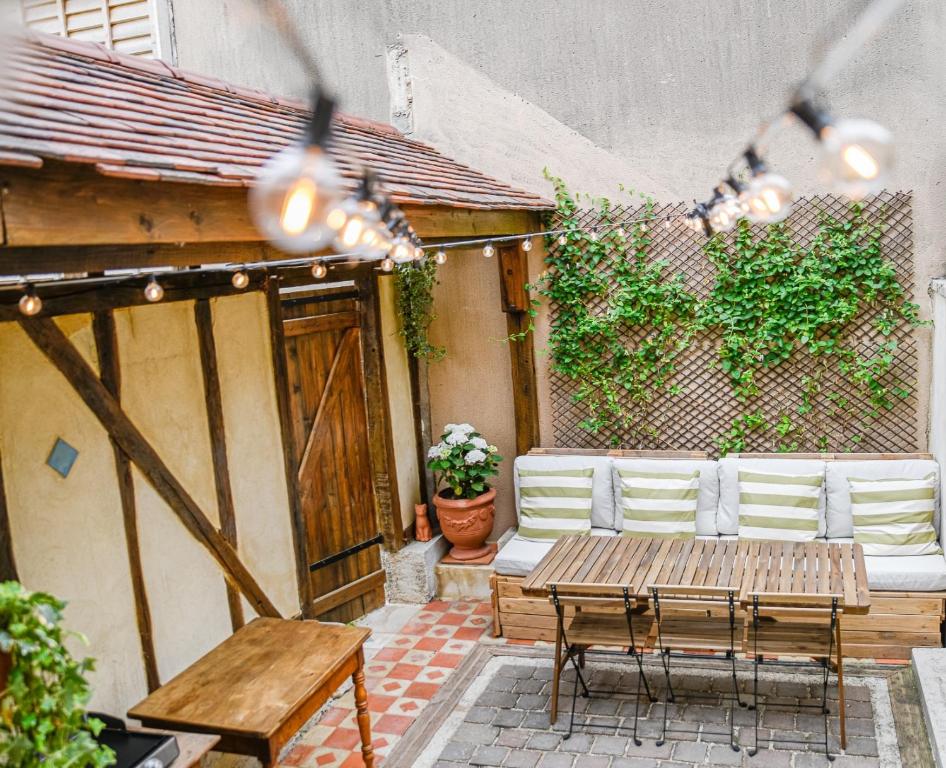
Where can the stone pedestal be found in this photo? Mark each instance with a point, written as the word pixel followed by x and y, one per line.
pixel 929 664
pixel 410 572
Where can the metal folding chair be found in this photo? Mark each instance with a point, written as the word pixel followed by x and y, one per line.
pixel 599 620
pixel 701 623
pixel 796 625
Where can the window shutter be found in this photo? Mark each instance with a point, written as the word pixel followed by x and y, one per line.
pixel 126 26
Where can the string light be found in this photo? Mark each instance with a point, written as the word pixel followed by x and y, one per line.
pixel 562 240
pixel 240 280
pixel 30 303
pixel 387 264
pixel 489 250
pixel 724 210
pixel 527 244
pixel 767 198
pixel 593 235
pixel 319 270
pixel 440 257
pixel 621 233
pixel 153 290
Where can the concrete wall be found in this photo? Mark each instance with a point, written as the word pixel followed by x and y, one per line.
pixel 669 91
pixel 67 533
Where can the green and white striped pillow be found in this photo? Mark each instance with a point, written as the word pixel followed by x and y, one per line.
pixel 895 517
pixel 776 506
pixel 554 502
pixel 659 505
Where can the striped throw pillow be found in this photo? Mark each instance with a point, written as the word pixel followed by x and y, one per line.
pixel 776 506
pixel 895 517
pixel 554 502
pixel 659 504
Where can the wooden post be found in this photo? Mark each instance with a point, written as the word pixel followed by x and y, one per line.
pixel 513 276
pixel 277 344
pixel 106 346
pixel 53 343
pixel 203 317
pixel 380 439
pixel 423 429
pixel 7 561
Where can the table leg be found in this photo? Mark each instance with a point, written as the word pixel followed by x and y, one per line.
pixel 841 712
pixel 361 706
pixel 556 666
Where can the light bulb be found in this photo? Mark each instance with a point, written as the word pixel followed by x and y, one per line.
pixel 643 228
pixel 562 240
pixel 401 250
pixel 293 194
pixel 489 250
pixel 724 214
pixel 527 244
pixel 30 303
pixel 153 290
pixel 319 270
pixel 387 264
pixel 360 217
pixel 856 157
pixel 593 235
pixel 441 256
pixel 767 199
pixel 240 280
pixel 418 253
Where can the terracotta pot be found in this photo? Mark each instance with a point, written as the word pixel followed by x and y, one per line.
pixel 467 523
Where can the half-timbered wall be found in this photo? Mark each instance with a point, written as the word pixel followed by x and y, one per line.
pixel 68 533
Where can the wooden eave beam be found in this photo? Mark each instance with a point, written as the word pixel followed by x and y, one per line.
pixel 53 343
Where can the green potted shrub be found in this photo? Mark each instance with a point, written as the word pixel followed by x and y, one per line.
pixel 463 462
pixel 43 689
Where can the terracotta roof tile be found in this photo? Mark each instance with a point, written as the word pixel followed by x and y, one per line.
pixel 143 119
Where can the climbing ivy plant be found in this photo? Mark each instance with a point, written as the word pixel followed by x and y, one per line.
pixel 621 321
pixel 414 284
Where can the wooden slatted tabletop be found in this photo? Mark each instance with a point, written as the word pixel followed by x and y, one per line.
pixel 603 566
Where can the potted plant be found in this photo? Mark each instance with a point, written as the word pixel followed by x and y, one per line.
pixel 462 462
pixel 44 690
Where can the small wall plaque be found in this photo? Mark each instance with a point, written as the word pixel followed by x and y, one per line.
pixel 62 457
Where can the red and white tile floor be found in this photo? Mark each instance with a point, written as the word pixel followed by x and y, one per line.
pixel 412 653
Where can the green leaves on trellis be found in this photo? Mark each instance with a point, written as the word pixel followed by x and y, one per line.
pixel 771 298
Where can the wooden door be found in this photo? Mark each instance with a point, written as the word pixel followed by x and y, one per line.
pixel 326 381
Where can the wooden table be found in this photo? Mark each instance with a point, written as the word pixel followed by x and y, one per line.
pixel 258 687
pixel 601 565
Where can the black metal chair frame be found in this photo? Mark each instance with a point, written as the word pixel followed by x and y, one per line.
pixel 576 654
pixel 667 653
pixel 825 665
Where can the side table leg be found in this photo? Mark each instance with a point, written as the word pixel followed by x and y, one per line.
pixel 842 714
pixel 361 706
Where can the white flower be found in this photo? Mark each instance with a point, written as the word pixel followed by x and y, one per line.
pixel 492 448
pixel 479 442
pixel 475 457
pixel 456 438
pixel 438 451
pixel 464 428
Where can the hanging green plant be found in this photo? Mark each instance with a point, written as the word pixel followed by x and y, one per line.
pixel 414 283
pixel 42 705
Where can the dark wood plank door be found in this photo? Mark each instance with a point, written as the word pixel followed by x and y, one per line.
pixel 323 345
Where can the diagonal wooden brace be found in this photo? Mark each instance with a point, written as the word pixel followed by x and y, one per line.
pixel 53 343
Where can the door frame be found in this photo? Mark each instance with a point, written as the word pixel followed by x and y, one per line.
pixel 380 439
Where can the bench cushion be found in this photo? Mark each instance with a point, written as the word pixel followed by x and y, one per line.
pixel 554 502
pixel 913 573
pixel 839 521
pixel 727 518
pixel 778 506
pixel 520 555
pixel 894 517
pixel 602 497
pixel 709 486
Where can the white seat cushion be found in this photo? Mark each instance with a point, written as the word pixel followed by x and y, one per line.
pixel 837 474
pixel 602 496
pixel 727 519
pixel 709 486
pixel 913 573
pixel 520 555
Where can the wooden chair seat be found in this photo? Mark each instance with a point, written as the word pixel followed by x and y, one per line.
pixel 610 629
pixel 788 638
pixel 699 633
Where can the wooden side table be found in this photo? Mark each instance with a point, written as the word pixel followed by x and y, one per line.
pixel 258 687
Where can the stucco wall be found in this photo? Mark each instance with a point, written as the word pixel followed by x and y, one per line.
pixel 67 533
pixel 670 90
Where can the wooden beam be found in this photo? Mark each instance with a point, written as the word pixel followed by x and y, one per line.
pixel 423 430
pixel 53 343
pixel 70 299
pixel 106 345
pixel 513 276
pixel 7 561
pixel 380 439
pixel 203 318
pixel 71 204
pixel 277 343
pixel 342 595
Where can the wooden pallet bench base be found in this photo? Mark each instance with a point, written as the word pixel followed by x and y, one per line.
pixel 897 622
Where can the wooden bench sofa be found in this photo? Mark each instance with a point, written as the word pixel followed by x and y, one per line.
pixel 908 594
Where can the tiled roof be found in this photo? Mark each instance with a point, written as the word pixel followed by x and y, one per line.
pixel 142 119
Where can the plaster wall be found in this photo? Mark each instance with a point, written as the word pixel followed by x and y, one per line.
pixel 473 383
pixel 669 91
pixel 68 535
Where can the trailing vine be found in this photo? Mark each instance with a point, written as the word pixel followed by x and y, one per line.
pixel 414 283
pixel 621 321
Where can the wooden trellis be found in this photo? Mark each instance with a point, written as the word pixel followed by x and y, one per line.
pixel 706 407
